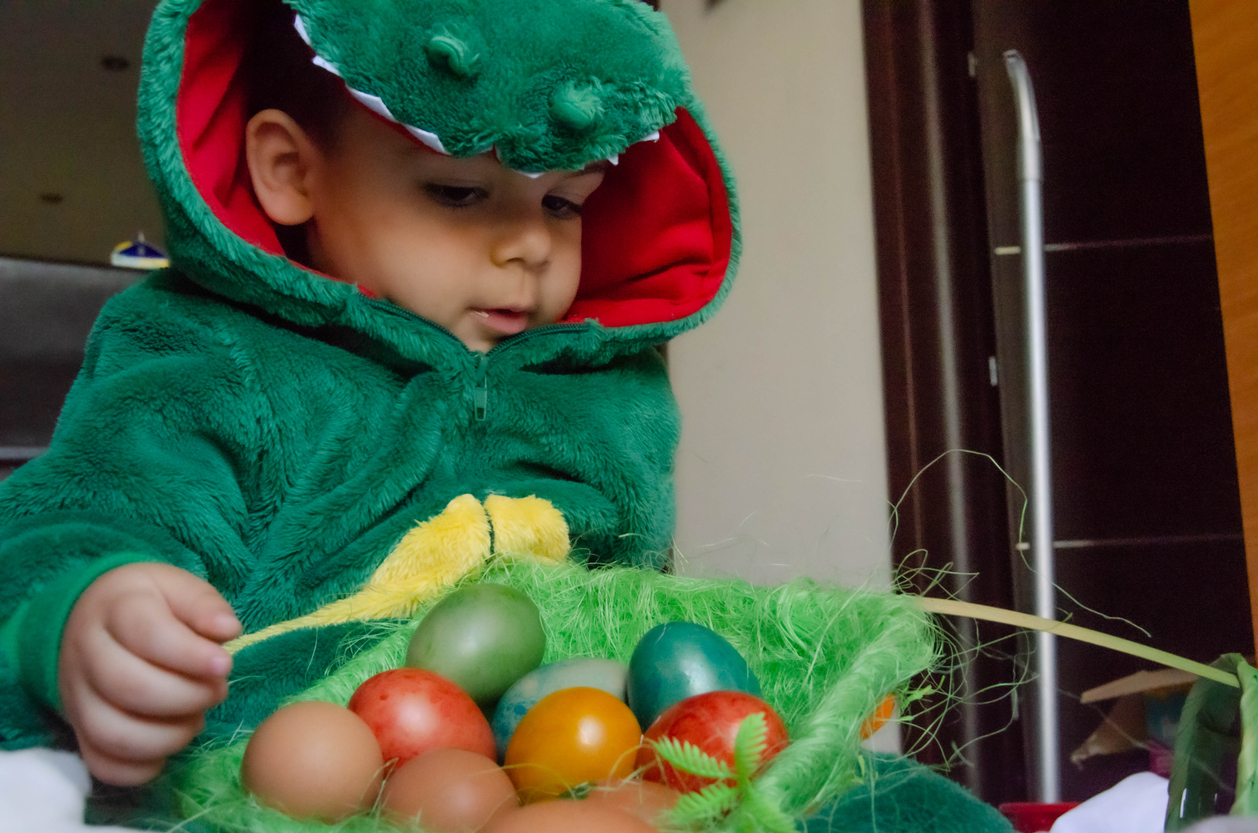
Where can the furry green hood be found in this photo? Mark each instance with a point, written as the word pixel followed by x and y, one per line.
pixel 546 86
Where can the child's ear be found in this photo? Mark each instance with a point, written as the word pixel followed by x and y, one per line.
pixel 282 159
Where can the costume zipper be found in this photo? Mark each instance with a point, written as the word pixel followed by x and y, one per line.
pixel 480 393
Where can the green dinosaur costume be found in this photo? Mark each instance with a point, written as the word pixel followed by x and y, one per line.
pixel 327 459
pixel 278 432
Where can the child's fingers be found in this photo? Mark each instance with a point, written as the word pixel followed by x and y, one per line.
pixel 198 605
pixel 152 633
pixel 117 772
pixel 128 749
pixel 135 685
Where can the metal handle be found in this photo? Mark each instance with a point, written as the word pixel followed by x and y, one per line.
pixel 1045 753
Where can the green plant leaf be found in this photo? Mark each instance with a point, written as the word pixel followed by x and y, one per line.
pixel 953 607
pixel 760 815
pixel 749 745
pixel 702 808
pixel 687 757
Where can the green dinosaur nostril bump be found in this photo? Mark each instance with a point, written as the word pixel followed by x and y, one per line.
pixel 453 53
pixel 577 108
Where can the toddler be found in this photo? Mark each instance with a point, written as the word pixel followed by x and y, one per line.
pixel 423 255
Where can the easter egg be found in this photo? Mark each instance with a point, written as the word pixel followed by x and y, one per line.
pixel 411 710
pixel 647 800
pixel 709 721
pixel 313 760
pixel 879 718
pixel 482 637
pixel 592 672
pixel 677 660
pixel 448 791
pixel 571 737
pixel 567 817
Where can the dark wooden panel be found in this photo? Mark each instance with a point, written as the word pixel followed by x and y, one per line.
pixel 1117 103
pixel 1142 437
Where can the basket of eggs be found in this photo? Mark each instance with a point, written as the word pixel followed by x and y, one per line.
pixel 552 697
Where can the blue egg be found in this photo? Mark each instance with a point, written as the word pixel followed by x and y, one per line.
pixel 677 660
pixel 591 672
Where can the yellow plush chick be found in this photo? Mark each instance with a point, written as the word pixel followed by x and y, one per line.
pixel 437 553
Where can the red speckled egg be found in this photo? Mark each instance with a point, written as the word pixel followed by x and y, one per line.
pixel 709 721
pixel 411 711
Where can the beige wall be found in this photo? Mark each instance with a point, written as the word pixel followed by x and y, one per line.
pixel 782 466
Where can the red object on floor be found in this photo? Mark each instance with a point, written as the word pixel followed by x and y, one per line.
pixel 1030 817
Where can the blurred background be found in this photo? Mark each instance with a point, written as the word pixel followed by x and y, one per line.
pixel 873 327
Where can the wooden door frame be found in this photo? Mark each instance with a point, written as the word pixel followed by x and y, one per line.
pixel 1225 43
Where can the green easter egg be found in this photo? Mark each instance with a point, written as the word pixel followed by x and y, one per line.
pixel 482 637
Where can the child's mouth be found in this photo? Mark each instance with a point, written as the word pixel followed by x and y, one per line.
pixel 508 322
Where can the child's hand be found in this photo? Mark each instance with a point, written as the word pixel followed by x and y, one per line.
pixel 140 664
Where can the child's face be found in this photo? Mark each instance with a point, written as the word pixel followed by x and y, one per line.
pixel 469 244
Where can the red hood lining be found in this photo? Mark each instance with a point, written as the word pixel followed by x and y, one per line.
pixel 657 234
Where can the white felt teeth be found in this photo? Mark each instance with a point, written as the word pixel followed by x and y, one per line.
pixel 376 105
pixel 318 59
pixel 652 137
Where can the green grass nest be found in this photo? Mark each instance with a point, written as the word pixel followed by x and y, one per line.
pixel 825 657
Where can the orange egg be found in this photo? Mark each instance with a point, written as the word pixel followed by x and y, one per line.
pixel 448 791
pixel 571 737
pixel 879 717
pixel 644 799
pixel 313 759
pixel 567 817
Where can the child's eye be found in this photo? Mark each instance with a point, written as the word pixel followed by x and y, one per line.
pixel 455 196
pixel 561 207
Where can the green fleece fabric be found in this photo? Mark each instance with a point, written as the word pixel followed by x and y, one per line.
pixel 901 796
pixel 275 431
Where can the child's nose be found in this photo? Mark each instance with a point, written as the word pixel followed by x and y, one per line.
pixel 524 239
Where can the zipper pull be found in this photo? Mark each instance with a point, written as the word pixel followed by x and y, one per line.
pixel 480 394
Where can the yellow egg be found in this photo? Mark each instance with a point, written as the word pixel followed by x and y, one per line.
pixel 313 760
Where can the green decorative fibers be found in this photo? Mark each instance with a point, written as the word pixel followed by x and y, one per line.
pixel 825 656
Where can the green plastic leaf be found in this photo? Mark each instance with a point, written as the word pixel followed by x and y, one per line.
pixel 749 745
pixel 758 814
pixel 701 809
pixel 687 757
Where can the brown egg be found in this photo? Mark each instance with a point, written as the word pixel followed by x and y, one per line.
pixel 644 799
pixel 448 791
pixel 313 759
pixel 567 816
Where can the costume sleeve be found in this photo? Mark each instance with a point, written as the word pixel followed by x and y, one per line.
pixel 149 462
